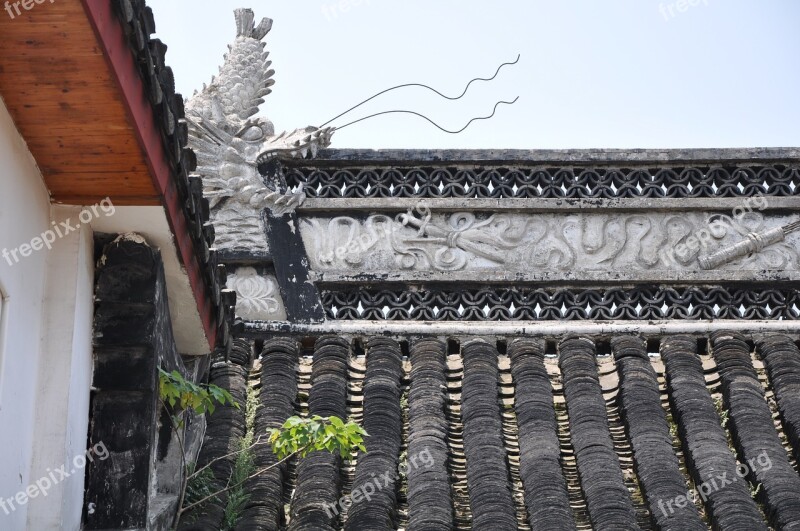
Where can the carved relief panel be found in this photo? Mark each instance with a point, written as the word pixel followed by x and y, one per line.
pixel 518 242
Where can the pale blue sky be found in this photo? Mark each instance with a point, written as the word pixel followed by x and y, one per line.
pixel 611 73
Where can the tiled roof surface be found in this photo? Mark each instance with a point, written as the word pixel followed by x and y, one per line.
pixel 524 433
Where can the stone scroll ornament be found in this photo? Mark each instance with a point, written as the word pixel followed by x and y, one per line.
pixel 755 242
pixel 231 143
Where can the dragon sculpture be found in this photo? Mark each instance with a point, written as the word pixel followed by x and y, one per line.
pixel 231 143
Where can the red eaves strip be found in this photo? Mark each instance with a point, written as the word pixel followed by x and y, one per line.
pixel 119 56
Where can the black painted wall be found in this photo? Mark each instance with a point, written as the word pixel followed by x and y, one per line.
pixel 132 337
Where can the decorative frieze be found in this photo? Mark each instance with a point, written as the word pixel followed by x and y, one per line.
pixel 562 304
pixel 522 179
pixel 421 240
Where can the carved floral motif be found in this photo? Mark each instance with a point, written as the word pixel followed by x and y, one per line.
pixel 257 296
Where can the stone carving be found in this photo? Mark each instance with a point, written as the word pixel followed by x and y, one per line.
pixel 231 143
pixel 257 296
pixel 461 236
pixel 755 242
pixel 539 242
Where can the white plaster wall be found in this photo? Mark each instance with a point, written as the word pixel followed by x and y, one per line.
pixel 64 380
pixel 46 351
pixel 24 213
pixel 81 371
pixel 46 355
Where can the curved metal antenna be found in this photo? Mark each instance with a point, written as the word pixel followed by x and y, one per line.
pixel 423 86
pixel 431 121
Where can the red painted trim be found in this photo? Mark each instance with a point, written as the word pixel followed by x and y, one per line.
pixel 122 65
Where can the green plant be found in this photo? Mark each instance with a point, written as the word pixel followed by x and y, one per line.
pixel 243 468
pixel 199 486
pixel 303 436
pixel 181 394
pixel 404 400
pixel 673 426
pixel 754 489
pixel 177 395
pixel 723 413
pixel 402 465
pixel 296 437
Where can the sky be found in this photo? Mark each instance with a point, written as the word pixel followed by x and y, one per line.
pixel 592 74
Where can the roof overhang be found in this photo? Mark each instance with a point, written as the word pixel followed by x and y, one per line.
pixel 74 89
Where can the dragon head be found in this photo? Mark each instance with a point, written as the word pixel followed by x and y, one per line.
pixel 231 142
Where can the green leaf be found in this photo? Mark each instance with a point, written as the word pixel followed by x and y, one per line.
pixel 304 436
